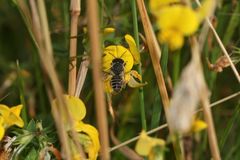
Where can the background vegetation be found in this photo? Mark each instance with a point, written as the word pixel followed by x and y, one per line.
pixel 17 45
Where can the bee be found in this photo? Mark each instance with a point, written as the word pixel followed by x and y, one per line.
pixel 117 66
pixel 117 80
pixel 117 62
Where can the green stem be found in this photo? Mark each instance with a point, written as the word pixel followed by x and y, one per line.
pixel 39 83
pixel 21 93
pixel 176 67
pixel 101 13
pixel 136 37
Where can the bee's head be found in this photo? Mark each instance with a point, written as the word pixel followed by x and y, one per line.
pixel 117 66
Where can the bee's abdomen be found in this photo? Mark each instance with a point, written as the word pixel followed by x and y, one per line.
pixel 117 83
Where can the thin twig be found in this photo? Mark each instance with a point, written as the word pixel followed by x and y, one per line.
pixel 211 129
pixel 75 12
pixel 93 27
pixel 128 152
pixel 165 125
pixel 222 46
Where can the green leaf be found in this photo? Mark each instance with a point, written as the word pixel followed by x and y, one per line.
pixel 31 126
pixel 32 155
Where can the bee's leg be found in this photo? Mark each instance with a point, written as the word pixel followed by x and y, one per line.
pixel 136 75
pixel 131 79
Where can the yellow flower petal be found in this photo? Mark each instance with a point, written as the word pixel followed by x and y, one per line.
pixel 76 107
pixel 133 48
pixel 11 116
pixel 179 18
pixel 156 5
pixel 14 120
pixel 108 30
pixel 132 82
pixel 2 130
pixel 107 85
pixel 117 51
pixel 4 110
pixel 173 38
pixel 146 143
pixel 92 132
pixel 16 109
pixel 205 9
pixel 198 125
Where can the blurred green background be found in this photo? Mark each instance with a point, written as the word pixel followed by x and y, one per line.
pixel 16 44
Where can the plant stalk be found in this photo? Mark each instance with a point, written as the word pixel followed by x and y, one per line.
pixel 75 8
pixel 136 37
pixel 96 56
pixel 155 54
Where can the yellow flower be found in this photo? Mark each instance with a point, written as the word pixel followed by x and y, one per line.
pixel 179 18
pixel 93 147
pixel 108 30
pixel 11 116
pixel 145 144
pixel 198 125
pixel 117 66
pixel 77 111
pixel 176 21
pixel 116 51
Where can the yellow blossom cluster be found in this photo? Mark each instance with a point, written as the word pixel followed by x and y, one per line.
pixel 177 20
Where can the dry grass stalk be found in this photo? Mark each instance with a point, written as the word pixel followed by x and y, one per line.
pixel 206 105
pixel 154 51
pixel 82 73
pixel 165 125
pixel 211 130
pixel 75 8
pixel 49 68
pixel 93 27
pixel 155 54
pixel 44 46
pixel 222 46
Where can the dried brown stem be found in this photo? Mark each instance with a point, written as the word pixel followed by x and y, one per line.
pixel 82 73
pixel 93 28
pixel 44 46
pixel 211 129
pixel 154 51
pixel 155 54
pixel 206 105
pixel 75 12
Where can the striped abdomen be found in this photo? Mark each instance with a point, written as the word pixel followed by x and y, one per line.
pixel 117 83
